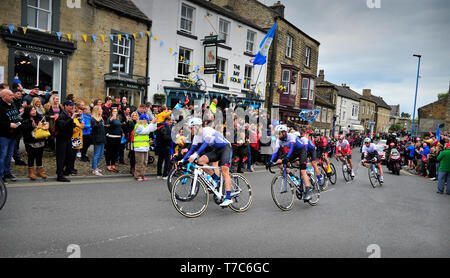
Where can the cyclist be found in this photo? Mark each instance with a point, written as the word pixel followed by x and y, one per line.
pixel 287 148
pixel 221 153
pixel 369 152
pixel 322 147
pixel 311 153
pixel 343 148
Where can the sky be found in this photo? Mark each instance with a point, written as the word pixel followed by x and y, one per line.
pixel 372 48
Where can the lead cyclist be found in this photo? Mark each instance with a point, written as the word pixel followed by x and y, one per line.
pixel 369 152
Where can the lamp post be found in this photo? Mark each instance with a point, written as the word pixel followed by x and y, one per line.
pixel 415 97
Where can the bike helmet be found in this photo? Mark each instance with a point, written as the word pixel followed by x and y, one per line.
pixel 367 140
pixel 341 137
pixel 280 128
pixel 194 121
pixel 391 145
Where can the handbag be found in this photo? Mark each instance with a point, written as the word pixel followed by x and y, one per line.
pixel 41 131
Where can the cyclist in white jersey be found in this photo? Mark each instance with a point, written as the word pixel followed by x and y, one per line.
pixel 370 152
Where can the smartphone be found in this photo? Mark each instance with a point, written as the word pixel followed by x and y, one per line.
pixel 18 124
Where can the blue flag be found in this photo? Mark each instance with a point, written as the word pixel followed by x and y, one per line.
pixel 261 57
pixel 438 134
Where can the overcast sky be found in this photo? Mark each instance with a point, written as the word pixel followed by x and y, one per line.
pixel 373 48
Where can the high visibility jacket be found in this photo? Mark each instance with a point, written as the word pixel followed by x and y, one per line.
pixel 140 140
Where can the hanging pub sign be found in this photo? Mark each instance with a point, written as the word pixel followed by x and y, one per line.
pixel 210 59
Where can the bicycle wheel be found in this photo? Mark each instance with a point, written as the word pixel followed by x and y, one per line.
pixel 315 196
pixel 373 177
pixel 173 175
pixel 201 84
pixel 323 186
pixel 333 174
pixel 242 193
pixel 345 172
pixel 189 199
pixel 282 192
pixel 3 194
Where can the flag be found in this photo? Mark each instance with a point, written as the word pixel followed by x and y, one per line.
pixel 261 57
pixel 438 134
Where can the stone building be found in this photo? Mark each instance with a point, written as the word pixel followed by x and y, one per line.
pixel 367 111
pixel 382 115
pixel 292 59
pixel 433 115
pixel 328 91
pixel 76 50
pixel 324 122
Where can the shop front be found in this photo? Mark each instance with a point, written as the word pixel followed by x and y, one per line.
pixel 37 59
pixel 132 87
pixel 176 94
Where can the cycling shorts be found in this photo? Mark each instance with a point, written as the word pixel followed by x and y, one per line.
pixel 371 156
pixel 302 154
pixel 222 155
pixel 312 154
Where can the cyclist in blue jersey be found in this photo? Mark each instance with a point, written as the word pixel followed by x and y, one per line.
pixel 369 152
pixel 221 153
pixel 311 153
pixel 287 148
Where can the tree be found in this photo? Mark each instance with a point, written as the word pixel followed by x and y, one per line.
pixel 395 128
pixel 405 115
pixel 442 96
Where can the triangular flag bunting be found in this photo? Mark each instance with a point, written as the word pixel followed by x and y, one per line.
pixel 69 36
pixel 94 37
pixel 103 38
pixel 142 34
pixel 84 38
pixel 120 37
pixel 134 35
pixel 59 35
pixel 24 29
pixel 111 37
pixel 11 28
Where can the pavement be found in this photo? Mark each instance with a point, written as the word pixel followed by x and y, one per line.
pixel 119 217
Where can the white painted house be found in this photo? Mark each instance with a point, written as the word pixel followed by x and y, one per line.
pixel 178 30
pixel 347 110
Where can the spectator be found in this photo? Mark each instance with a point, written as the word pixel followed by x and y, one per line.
pixel 87 138
pixel 107 108
pixel 129 135
pixel 52 110
pixel 72 98
pixel 213 106
pixel 29 98
pixel 98 136
pixel 410 150
pixel 123 106
pixel 141 145
pixel 164 142
pixel 64 126
pixel 113 139
pixel 37 104
pixel 9 123
pixel 142 110
pixel 444 170
pixel 16 154
pixel 34 147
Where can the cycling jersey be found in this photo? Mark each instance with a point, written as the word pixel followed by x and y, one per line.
pixel 344 146
pixel 371 152
pixel 291 144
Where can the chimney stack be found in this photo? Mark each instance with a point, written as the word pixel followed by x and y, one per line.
pixel 367 93
pixel 321 75
pixel 278 8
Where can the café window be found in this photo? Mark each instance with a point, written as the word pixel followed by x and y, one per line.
pixel 39 14
pixel 184 58
pixel 38 69
pixel 248 76
pixel 286 80
pixel 221 71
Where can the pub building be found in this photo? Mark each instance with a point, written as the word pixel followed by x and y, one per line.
pixel 75 49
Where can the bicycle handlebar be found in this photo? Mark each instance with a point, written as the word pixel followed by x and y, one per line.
pixel 269 166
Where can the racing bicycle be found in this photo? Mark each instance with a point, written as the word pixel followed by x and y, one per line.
pixel 346 170
pixel 194 81
pixel 374 175
pixel 3 193
pixel 191 191
pixel 284 187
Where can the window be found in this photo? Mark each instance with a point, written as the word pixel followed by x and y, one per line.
pixel 330 116
pixel 38 69
pixel 305 88
pixel 289 46
pixel 251 36
pixel 121 53
pixel 311 89
pixel 187 17
pixel 286 80
pixel 324 115
pixel 308 56
pixel 39 14
pixel 221 71
pixel 248 74
pixel 355 110
pixel 184 58
pixel 224 30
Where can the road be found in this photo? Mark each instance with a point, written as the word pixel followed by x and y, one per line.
pixel 123 218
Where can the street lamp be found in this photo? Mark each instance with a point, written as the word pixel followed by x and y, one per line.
pixel 415 97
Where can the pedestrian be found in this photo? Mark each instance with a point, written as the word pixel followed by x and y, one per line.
pixel 164 143
pixel 114 135
pixel 129 135
pixel 141 145
pixel 77 144
pixel 98 135
pixel 37 104
pixel 444 170
pixel 34 147
pixel 9 123
pixel 52 110
pixel 64 126
pixel 87 138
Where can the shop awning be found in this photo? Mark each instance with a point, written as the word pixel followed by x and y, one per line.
pixel 357 127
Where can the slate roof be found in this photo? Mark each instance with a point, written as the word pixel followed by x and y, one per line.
pixel 381 103
pixel 225 12
pixel 395 110
pixel 124 8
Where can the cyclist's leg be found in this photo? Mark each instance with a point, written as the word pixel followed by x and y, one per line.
pixel 314 163
pixel 204 161
pixel 303 161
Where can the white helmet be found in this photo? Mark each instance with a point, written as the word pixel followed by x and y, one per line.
pixel 280 128
pixel 367 140
pixel 297 134
pixel 194 121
